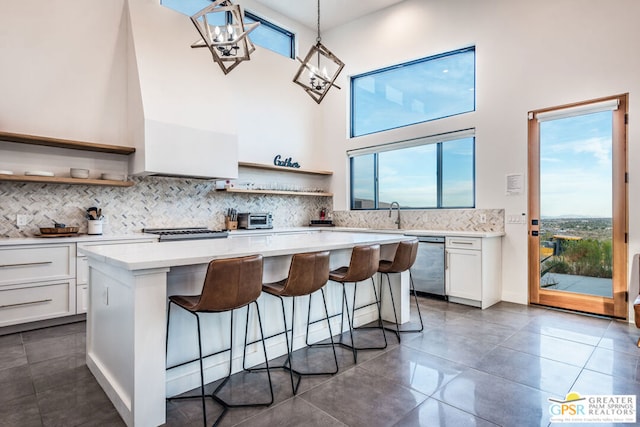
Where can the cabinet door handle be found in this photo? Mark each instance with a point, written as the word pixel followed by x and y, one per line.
pixel 453 242
pixel 25 264
pixel 25 303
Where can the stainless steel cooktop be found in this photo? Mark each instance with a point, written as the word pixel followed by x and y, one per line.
pixel 185 233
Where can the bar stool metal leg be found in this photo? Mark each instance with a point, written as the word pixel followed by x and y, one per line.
pixel 226 405
pixel 351 319
pixel 412 289
pixel 202 393
pixel 288 363
pixel 403 260
pixel 363 265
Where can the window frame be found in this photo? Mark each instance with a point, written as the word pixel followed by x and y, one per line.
pixel 289 34
pixel 439 140
pixel 404 65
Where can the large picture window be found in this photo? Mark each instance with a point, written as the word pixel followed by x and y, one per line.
pixel 414 92
pixel 432 172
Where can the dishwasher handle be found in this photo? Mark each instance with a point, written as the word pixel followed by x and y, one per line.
pixel 429 239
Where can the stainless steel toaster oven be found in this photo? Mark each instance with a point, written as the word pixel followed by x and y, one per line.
pixel 253 221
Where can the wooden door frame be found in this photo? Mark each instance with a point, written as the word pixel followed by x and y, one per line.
pixel 618 305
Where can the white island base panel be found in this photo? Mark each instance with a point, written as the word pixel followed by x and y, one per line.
pixel 126 327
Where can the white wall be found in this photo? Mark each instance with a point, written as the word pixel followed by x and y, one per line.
pixel 63 69
pixel 529 55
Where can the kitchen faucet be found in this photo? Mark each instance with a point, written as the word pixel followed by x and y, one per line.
pixel 391 209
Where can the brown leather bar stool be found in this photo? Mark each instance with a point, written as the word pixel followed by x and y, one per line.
pixel 403 260
pixel 308 273
pixel 229 284
pixel 362 266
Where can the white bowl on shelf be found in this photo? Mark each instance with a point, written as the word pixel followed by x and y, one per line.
pixel 38 173
pixel 113 176
pixel 79 173
pixel 4 172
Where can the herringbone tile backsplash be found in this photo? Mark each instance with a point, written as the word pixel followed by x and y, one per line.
pixel 179 202
pixel 151 202
pixel 419 219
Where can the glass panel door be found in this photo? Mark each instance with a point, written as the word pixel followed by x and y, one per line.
pixel 578 208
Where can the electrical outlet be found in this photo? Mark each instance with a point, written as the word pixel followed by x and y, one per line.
pixel 22 220
pixel 483 218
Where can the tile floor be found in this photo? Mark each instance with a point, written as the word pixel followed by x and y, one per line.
pixel 469 367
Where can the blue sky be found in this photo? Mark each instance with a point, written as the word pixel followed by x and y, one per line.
pixel 575 166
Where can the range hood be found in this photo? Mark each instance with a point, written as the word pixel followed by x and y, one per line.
pixel 167 149
pixel 176 119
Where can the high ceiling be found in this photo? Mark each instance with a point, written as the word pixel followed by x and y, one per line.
pixel 332 12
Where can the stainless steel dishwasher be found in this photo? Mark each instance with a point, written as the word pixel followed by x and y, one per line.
pixel 428 270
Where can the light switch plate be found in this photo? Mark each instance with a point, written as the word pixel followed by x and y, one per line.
pixel 517 219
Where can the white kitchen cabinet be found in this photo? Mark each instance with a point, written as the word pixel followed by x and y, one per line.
pixel 82 298
pixel 37 282
pixel 40 281
pixel 473 270
pixel 82 270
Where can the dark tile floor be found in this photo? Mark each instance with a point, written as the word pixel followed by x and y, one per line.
pixel 469 367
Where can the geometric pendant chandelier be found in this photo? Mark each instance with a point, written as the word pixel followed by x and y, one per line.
pixel 223 31
pixel 319 69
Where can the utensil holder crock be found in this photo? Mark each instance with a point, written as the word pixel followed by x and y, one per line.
pixel 94 226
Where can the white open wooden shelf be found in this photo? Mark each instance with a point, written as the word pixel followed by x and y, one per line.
pixel 65 143
pixel 284 192
pixel 283 169
pixel 64 180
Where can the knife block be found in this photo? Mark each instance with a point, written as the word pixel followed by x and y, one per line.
pixel 230 225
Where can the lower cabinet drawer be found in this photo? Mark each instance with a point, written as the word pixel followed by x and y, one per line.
pixel 44 301
pixel 474 243
pixel 37 263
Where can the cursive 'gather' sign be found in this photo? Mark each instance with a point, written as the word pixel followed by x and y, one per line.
pixel 287 163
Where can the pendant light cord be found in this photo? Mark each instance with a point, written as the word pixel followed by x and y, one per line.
pixel 318 38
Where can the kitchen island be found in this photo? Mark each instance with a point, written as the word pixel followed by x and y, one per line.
pixel 126 321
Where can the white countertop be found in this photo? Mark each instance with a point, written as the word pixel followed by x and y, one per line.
pixel 444 233
pixel 80 238
pixel 139 256
pixel 86 238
